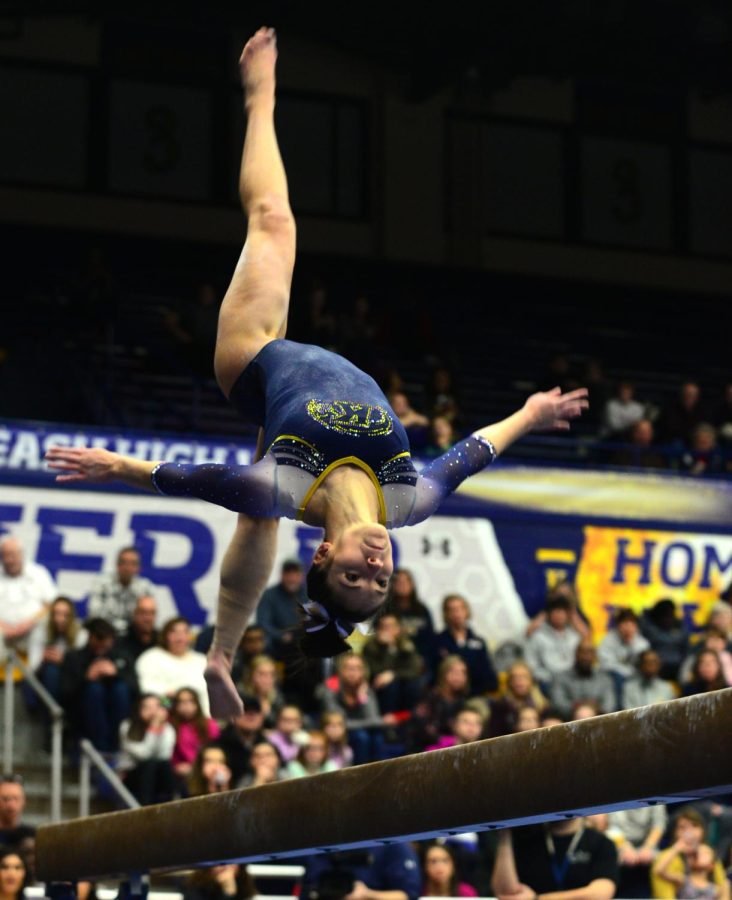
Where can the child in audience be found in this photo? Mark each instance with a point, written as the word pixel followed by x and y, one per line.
pixel 288 735
pixel 146 741
pixel 192 730
pixel 312 759
pixel 211 773
pixel 261 682
pixel 440 874
pixel 333 724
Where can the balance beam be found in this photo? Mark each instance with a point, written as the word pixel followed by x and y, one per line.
pixel 671 751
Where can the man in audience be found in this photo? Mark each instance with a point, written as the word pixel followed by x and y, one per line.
pixel 114 595
pixel 680 417
pixel 278 612
pixel 551 648
pixel 620 648
pixel 97 686
pixel 26 592
pixel 637 834
pixel 458 638
pixel 241 735
pixel 12 804
pixel 563 859
pixel 583 682
pixel 646 687
pixel 390 872
pixel 141 633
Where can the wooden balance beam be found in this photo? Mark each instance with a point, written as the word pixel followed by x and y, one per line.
pixel 671 751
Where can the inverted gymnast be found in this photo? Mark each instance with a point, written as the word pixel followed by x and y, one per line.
pixel 337 457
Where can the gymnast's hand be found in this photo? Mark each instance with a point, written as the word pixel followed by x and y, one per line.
pixel 553 409
pixel 93 464
pixel 82 463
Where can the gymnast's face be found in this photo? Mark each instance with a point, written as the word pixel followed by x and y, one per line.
pixel 360 566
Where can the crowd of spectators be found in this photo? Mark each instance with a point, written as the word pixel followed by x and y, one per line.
pixel 134 687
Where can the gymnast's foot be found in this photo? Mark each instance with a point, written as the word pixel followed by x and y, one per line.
pixel 223 697
pixel 257 63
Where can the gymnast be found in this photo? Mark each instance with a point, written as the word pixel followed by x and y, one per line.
pixel 336 455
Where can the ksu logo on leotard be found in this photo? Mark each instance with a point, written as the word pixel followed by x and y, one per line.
pixel 347 417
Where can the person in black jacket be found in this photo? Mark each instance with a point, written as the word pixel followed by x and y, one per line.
pixel 97 686
pixel 458 638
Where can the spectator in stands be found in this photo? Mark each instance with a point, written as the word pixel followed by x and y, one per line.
pixel 389 872
pixel 720 617
pixel 211 773
pixel 98 686
pixel 442 397
pixel 583 682
pixel 713 639
pixel 706 675
pixel 667 635
pixel 435 712
pixel 226 882
pixel 146 742
pixel 640 450
pixel 722 416
pixel 278 612
pixel 261 682
pixel 141 633
pixel 194 330
pixel 333 725
pixel 26 592
pixel 253 643
pixel 703 456
pixel 173 665
pixel 440 875
pixel 646 687
pixel 565 590
pixel 585 709
pixel 619 650
pixel 312 757
pixel 114 595
pixel 288 735
pixel 415 423
pixel 563 859
pixel 415 617
pixel 688 864
pixel 467 726
pixel 559 372
pixel 680 417
pixel 193 730
pixel 265 766
pixel 394 664
pixel 551 649
pixel 527 719
pixel 637 833
pixel 48 646
pixel 441 437
pixel 519 691
pixel 550 717
pixel 458 638
pixel 354 698
pixel 358 329
pixel 622 411
pixel 12 805
pixel 13 875
pixel 241 735
pixel 320 325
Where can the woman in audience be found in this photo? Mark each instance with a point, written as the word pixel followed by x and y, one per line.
pixel 265 765
pixel 46 651
pixel 226 882
pixel 288 735
pixel 312 758
pixel 355 699
pixel 211 773
pixel 333 725
pixel 192 731
pixel 713 639
pixel 440 876
pixel 394 664
pixel 441 438
pixel 527 719
pixel 416 619
pixel 585 709
pixel 13 875
pixel 434 714
pixel 520 691
pixel 688 869
pixel 146 741
pixel 261 682
pixel 173 665
pixel 706 675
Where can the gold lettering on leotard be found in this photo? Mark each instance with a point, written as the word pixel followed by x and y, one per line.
pixel 347 417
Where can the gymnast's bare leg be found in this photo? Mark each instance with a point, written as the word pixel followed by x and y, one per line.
pixel 253 312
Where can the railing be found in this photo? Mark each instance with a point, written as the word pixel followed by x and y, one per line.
pixel 57 726
pixel 91 756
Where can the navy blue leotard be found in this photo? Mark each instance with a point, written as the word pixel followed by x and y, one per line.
pixel 319 411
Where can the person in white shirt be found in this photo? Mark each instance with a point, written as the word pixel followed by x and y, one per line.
pixel 623 411
pixel 26 592
pixel 551 648
pixel 173 665
pixel 115 594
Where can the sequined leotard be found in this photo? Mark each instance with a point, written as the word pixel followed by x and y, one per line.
pixel 319 411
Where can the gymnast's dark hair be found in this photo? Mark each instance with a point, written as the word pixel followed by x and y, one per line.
pixel 325 642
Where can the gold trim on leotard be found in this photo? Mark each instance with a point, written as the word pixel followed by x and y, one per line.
pixel 346 461
pixel 292 437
